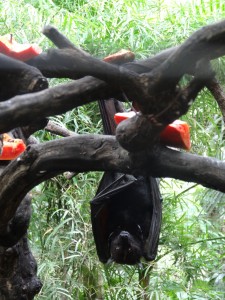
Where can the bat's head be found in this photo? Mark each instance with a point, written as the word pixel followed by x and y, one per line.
pixel 126 248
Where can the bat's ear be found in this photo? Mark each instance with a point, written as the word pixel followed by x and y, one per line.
pixel 110 261
pixel 140 232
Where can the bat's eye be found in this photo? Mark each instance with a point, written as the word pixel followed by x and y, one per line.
pixel 117 248
pixel 129 249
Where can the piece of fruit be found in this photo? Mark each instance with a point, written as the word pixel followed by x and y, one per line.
pixel 11 148
pixel 119 117
pixel 10 47
pixel 121 56
pixel 176 134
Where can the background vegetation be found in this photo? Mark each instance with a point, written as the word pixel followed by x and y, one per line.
pixel 191 258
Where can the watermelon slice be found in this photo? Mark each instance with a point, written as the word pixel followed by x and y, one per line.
pixel 11 48
pixel 119 117
pixel 176 134
pixel 12 148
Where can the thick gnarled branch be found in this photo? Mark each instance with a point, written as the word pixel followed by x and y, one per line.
pixel 18 78
pixel 155 91
pixel 206 43
pixel 24 109
pixel 83 153
pixel 216 90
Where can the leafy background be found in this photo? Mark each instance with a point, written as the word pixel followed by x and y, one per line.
pixel 191 258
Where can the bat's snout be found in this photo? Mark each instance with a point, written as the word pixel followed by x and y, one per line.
pixel 124 235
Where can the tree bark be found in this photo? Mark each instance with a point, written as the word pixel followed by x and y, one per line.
pixel 18 268
pixel 18 78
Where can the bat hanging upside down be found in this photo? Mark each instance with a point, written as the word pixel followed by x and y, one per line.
pixel 126 218
pixel 126 211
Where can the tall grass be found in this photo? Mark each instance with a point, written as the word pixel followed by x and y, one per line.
pixel 190 263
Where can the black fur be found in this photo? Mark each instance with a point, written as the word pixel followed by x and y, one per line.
pixel 126 217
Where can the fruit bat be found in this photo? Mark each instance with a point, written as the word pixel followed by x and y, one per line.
pixel 126 211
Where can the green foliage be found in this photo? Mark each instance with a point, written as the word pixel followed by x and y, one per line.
pixel 190 263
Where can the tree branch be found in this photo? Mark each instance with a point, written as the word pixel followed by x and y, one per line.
pixel 143 88
pixel 142 131
pixel 60 40
pixel 23 110
pixel 59 130
pixel 83 153
pixel 18 78
pixel 218 93
pixel 205 43
pixel 155 92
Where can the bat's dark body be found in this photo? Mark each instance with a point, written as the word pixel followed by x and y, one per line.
pixel 125 213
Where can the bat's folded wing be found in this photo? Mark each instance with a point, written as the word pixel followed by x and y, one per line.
pixel 110 185
pixel 151 244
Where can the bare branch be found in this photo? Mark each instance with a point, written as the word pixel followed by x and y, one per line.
pixel 70 63
pixel 208 43
pixel 59 130
pixel 60 40
pixel 99 153
pixel 205 43
pixel 218 93
pixel 207 171
pixel 163 107
pixel 23 110
pixel 17 78
pixel 153 91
